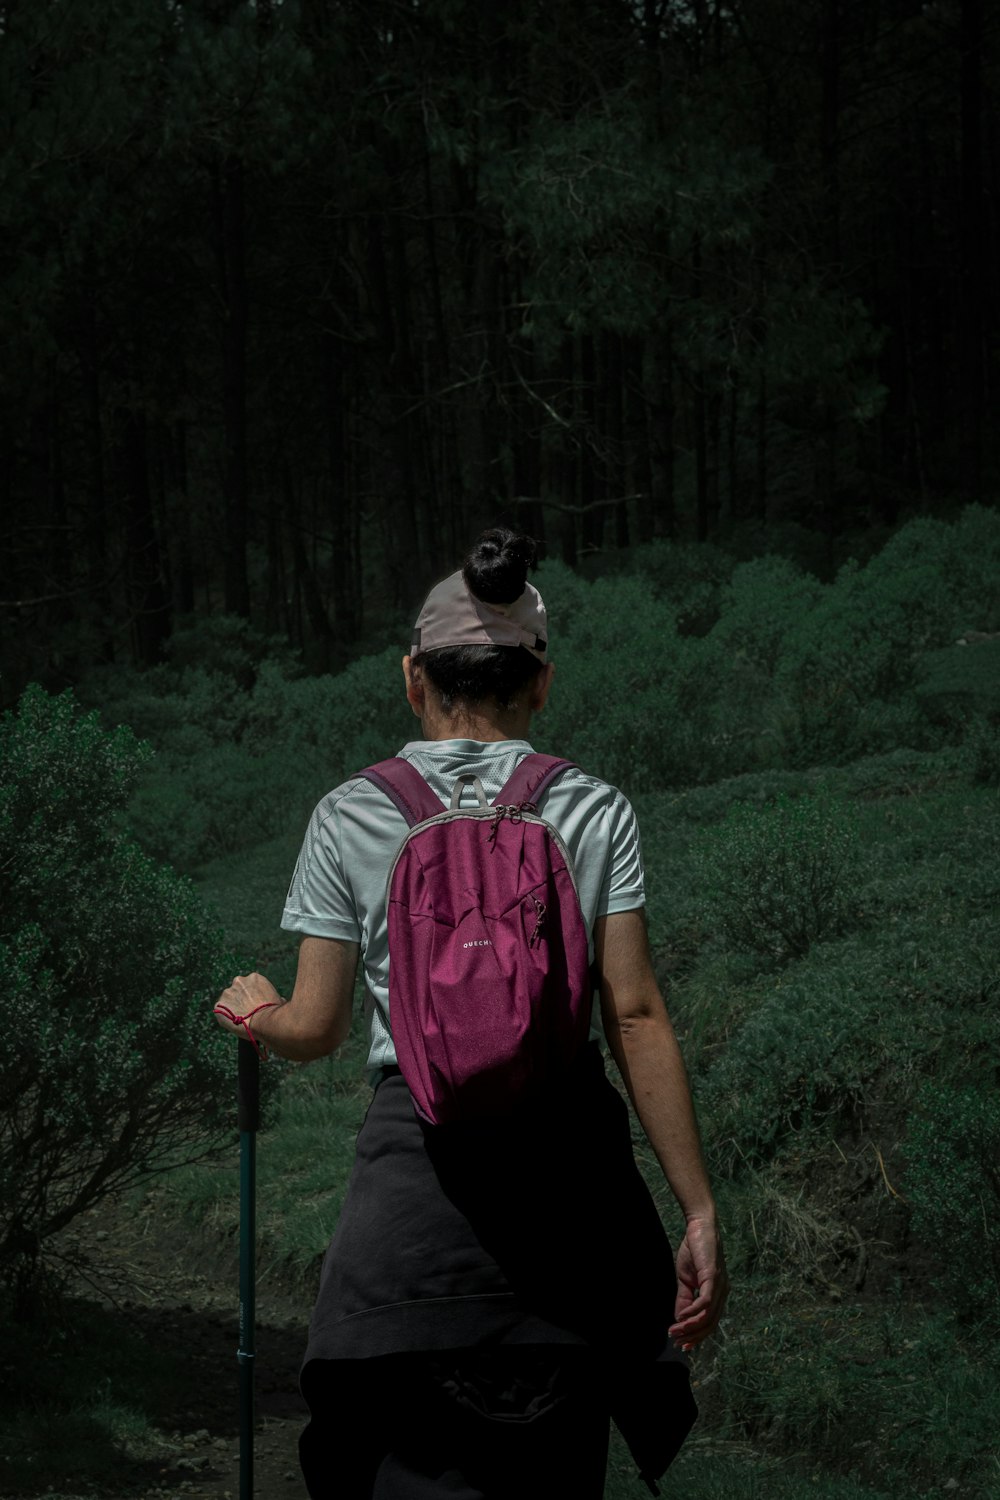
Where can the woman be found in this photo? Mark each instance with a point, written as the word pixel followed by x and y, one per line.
pixel 495 1291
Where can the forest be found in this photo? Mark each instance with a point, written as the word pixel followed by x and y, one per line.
pixel 298 296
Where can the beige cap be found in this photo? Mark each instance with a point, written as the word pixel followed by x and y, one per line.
pixel 452 616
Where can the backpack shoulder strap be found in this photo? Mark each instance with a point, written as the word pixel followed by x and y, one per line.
pixel 403 784
pixel 532 777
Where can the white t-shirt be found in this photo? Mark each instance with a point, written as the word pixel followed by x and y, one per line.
pixel 339 886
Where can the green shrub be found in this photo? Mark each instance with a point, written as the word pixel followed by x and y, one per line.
pixel 808 1050
pixel 615 704
pixel 800 1378
pixel 953 1186
pixel 242 755
pixel 765 601
pixel 108 963
pixel 727 670
pixel 982 752
pixel 689 577
pixel 849 668
pixel 959 682
pixel 645 710
pixel 218 800
pixel 201 695
pixel 777 879
pixel 231 645
pixel 848 1036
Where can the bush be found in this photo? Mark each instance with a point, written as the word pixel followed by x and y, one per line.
pixel 201 694
pixel 764 603
pixel 849 1033
pixel 633 700
pixel 234 647
pixel 953 1185
pixel 112 1068
pixel 809 1050
pixel 220 799
pixel 982 752
pixel 727 670
pixel 960 682
pixel 777 879
pixel 848 671
pixel 614 705
pixel 243 754
pixel 689 577
pixel 800 1378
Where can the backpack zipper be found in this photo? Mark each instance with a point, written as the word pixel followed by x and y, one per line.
pixel 480 813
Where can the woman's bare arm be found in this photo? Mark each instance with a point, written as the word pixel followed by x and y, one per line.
pixel 317 1018
pixel 643 1044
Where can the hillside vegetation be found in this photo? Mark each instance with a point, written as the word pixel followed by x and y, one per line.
pixel 815 768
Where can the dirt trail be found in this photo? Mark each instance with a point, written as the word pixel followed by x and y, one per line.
pixel 179 1290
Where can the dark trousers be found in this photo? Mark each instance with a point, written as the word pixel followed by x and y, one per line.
pixel 500 1424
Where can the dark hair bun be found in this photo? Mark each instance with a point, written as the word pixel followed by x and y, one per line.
pixel 496 568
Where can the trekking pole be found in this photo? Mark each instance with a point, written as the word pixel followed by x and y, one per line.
pixel 248 1120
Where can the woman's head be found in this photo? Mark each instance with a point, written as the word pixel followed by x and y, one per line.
pixel 481 637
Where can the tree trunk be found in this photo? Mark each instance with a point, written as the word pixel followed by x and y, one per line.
pixel 521 364
pixel 148 602
pixel 183 571
pixel 974 250
pixel 830 125
pixel 659 380
pixel 345 615
pixel 700 458
pixel 591 487
pixel 231 257
pixel 714 478
pixel 829 445
pixel 275 595
pixel 559 474
pixel 639 434
pixel 401 456
pixel 316 646
pixel 614 431
pixel 761 472
pixel 732 509
pixel 97 506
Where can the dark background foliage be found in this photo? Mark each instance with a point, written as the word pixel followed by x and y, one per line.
pixel 297 295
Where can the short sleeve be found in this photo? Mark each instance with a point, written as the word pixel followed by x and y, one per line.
pixel 623 887
pixel 320 901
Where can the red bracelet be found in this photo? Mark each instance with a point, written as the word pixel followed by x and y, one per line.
pixel 244 1021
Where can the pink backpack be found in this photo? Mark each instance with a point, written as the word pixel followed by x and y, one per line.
pixel 489 985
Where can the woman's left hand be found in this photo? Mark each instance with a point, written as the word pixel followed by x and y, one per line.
pixel 702 1283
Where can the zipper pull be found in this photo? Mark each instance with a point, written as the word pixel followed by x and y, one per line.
pixel 537 934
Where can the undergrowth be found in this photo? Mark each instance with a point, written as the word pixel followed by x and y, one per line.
pixel 304 1155
pixel 88 1405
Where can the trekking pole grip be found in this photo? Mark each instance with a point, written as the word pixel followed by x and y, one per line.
pixel 248 1088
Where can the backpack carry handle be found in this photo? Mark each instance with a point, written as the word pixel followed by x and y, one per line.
pixel 459 788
